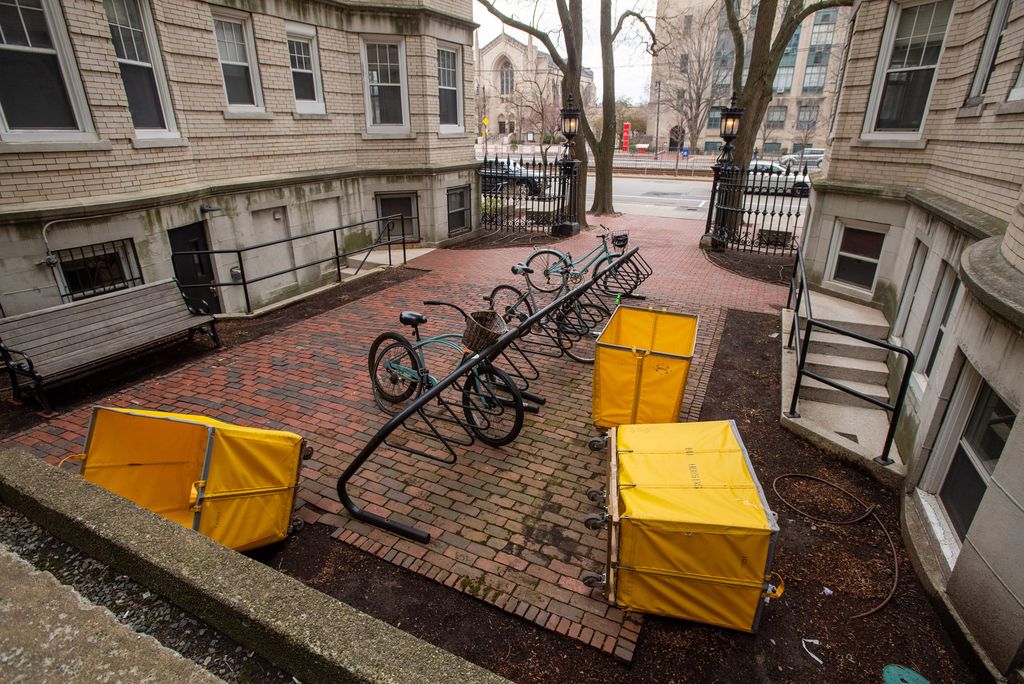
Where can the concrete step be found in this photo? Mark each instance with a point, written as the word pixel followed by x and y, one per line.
pixel 855 317
pixel 834 344
pixel 812 390
pixel 846 368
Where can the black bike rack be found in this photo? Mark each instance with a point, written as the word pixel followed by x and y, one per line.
pixel 531 326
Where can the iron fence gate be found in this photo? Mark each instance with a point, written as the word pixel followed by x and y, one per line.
pixel 528 196
pixel 758 208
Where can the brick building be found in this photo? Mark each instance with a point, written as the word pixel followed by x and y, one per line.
pixel 919 213
pixel 805 83
pixel 131 128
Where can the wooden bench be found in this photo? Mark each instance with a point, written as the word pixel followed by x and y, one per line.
pixel 61 341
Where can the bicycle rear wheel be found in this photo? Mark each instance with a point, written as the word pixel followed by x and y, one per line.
pixel 549 269
pixel 394 371
pixel 512 304
pixel 578 327
pixel 493 406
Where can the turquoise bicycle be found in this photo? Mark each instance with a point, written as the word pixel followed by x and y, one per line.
pixel 491 402
pixel 551 269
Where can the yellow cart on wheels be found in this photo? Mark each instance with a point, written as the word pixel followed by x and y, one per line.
pixel 641 364
pixel 690 534
pixel 233 484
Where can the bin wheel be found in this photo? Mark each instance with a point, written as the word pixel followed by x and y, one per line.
pixel 307 452
pixel 596 522
pixel 296 525
pixel 598 443
pixel 596 495
pixel 593 579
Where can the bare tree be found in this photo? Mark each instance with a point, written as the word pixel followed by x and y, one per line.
pixel 602 142
pixel 538 96
pixel 767 45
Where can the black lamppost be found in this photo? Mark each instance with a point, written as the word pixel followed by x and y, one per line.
pixel 567 223
pixel 570 124
pixel 728 179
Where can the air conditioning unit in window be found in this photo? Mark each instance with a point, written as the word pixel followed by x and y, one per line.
pixel 780 90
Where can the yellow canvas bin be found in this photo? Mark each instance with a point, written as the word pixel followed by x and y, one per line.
pixel 691 535
pixel 234 484
pixel 640 366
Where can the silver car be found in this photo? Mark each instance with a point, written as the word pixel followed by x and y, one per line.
pixel 768 177
pixel 812 156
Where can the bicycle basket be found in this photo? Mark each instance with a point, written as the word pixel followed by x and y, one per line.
pixel 482 329
pixel 620 240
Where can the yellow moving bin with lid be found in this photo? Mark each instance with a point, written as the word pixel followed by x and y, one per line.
pixel 691 534
pixel 234 484
pixel 640 366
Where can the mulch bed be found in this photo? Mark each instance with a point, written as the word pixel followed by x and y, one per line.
pixel 768 268
pixel 853 562
pixel 497 239
pixel 163 358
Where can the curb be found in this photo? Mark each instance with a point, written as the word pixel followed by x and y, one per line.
pixel 305 632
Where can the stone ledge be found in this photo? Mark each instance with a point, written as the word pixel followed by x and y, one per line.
pixel 994 281
pixel 305 632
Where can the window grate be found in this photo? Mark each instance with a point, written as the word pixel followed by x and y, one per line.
pixel 92 270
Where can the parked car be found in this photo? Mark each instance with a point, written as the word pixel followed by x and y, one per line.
pixel 812 156
pixel 775 179
pixel 499 177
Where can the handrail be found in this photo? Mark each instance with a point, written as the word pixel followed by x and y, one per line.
pixel 387 224
pixel 798 286
pixel 469 363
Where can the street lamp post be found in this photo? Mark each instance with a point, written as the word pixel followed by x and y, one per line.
pixel 657 119
pixel 728 179
pixel 567 225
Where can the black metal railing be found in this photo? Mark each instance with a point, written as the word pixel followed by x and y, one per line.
pixel 416 410
pixel 389 231
pixel 799 291
pixel 528 195
pixel 758 208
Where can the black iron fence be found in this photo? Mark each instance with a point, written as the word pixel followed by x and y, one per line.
pixel 759 207
pixel 528 195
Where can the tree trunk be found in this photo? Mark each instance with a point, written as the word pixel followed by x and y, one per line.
pixel 604 149
pixel 604 158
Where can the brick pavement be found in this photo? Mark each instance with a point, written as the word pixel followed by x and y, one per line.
pixel 505 523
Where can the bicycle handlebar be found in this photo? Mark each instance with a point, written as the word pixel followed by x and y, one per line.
pixel 435 302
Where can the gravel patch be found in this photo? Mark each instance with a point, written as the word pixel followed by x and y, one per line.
pixel 134 606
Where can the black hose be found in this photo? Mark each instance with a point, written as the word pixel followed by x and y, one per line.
pixel 869 510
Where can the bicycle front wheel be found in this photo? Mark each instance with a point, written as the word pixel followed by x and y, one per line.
pixel 549 269
pixel 394 371
pixel 493 406
pixel 511 304
pixel 578 327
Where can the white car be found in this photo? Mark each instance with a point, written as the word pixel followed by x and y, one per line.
pixel 812 156
pixel 770 178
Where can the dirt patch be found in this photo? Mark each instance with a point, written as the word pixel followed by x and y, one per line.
pixel 162 358
pixel 768 268
pixel 851 561
pixel 500 239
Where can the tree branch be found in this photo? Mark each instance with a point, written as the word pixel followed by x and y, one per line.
pixel 643 20
pixel 542 36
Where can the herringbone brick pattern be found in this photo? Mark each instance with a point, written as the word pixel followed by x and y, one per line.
pixel 506 523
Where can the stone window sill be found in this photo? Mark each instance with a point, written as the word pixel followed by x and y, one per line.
pixel 896 144
pixel 147 143
pixel 229 114
pixel 55 146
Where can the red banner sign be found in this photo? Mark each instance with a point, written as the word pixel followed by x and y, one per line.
pixel 625 136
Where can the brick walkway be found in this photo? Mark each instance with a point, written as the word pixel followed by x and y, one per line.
pixel 506 523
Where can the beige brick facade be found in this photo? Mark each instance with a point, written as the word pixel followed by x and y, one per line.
pixel 226 158
pixel 948 195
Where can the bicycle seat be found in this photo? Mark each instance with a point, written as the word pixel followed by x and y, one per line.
pixel 521 269
pixel 412 318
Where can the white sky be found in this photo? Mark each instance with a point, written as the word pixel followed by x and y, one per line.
pixel 632 63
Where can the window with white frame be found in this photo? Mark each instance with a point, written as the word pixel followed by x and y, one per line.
pixel 507 78
pixel 41 94
pixel 938 318
pixel 387 108
pixel 993 39
pixel 1017 92
pixel 814 78
pixel 459 220
pixel 238 65
pixel 783 79
pixel 911 47
pixel 910 289
pixel 304 61
pixel 856 251
pixel 776 117
pixel 977 427
pixel 138 58
pixel 449 89
pixel 807 117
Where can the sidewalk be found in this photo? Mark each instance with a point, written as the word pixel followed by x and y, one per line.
pixel 50 633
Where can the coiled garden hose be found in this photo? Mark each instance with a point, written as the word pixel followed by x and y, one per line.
pixel 869 510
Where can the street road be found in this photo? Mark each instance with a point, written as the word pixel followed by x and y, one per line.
pixel 669 197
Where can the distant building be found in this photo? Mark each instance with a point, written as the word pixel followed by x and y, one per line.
pixel 805 83
pixel 133 129
pixel 919 213
pixel 519 91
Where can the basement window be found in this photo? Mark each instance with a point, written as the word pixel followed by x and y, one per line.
pixel 856 251
pixel 84 272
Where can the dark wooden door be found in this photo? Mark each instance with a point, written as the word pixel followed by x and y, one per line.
pixel 194 269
